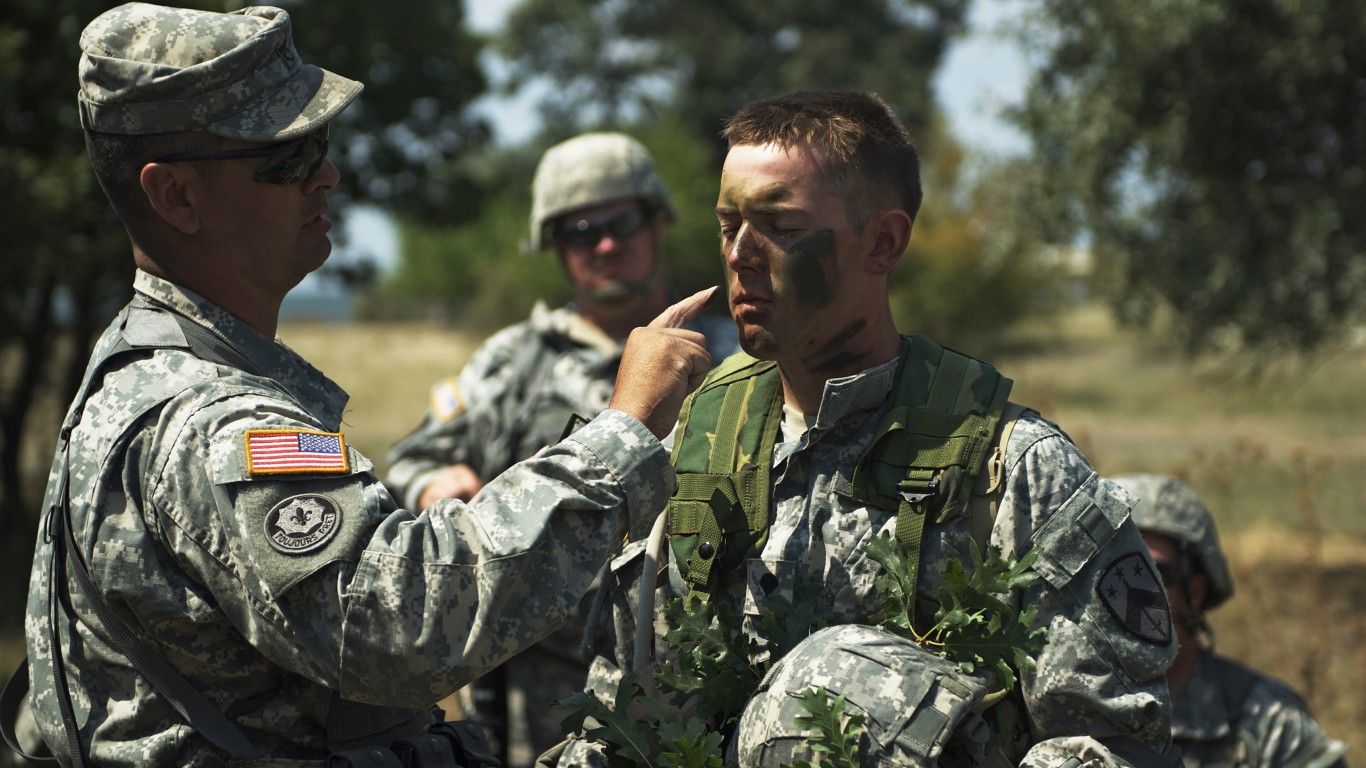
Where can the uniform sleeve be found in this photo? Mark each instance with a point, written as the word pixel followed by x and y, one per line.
pixel 462 417
pixel 326 577
pixel 1098 693
pixel 1284 733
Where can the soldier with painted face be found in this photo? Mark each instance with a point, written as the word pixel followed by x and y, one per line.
pixel 1223 713
pixel 220 576
pixel 599 201
pixel 834 428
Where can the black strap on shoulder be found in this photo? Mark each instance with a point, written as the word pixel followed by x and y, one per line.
pixel 144 326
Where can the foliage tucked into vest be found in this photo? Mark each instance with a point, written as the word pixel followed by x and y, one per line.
pixel 923 460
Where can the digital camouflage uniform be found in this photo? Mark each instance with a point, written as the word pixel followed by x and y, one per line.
pixel 1224 713
pixel 1228 715
pixel 191 545
pixel 1098 692
pixel 517 392
pixel 513 397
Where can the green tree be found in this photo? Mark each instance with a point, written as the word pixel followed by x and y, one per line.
pixel 69 269
pixel 1212 155
pixel 967 275
pixel 698 61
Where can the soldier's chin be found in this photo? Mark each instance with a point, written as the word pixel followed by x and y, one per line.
pixel 621 292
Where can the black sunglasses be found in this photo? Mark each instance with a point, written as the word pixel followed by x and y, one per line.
pixel 584 234
pixel 291 161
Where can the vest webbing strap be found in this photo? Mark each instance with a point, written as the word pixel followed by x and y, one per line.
pixel 940 449
pixel 925 456
pixel 724 493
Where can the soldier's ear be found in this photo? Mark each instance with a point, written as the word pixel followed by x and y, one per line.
pixel 889 232
pixel 168 190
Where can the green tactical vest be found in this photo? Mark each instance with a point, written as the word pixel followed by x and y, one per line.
pixel 923 460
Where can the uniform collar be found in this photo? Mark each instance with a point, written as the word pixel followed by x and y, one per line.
pixel 317 393
pixel 567 322
pixel 863 391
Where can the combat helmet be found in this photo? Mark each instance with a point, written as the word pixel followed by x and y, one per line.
pixel 593 169
pixel 1169 507
pixel 918 708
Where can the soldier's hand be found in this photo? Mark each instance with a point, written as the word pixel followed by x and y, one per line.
pixel 661 364
pixel 457 481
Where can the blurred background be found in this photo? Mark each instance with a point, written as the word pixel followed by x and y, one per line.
pixel 1143 212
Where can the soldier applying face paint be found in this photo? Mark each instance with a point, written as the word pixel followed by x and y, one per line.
pixel 221 578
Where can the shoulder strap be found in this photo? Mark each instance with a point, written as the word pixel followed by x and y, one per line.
pixel 926 453
pixel 143 326
pixel 990 485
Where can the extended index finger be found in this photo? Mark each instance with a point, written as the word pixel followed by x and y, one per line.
pixel 677 315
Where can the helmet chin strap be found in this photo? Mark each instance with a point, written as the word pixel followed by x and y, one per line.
pixel 622 292
pixel 626 291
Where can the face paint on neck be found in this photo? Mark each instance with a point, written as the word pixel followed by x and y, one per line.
pixel 833 357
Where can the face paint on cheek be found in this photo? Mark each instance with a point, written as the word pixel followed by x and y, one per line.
pixel 810 269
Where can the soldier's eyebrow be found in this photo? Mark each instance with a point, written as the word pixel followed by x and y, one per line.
pixel 768 200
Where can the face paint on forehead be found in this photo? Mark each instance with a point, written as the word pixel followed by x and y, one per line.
pixel 735 193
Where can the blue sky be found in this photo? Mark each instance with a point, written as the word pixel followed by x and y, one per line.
pixel 982 72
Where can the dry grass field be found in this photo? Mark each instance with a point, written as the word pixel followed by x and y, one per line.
pixel 1280 460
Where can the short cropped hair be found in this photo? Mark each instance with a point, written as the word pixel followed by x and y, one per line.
pixel 864 150
pixel 118 159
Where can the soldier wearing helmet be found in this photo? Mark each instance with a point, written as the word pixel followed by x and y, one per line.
pixel 1223 712
pixel 599 202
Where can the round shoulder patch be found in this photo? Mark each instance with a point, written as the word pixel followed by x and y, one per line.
pixel 303 523
pixel 1135 597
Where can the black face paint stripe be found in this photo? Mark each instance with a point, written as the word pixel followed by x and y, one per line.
pixel 810 269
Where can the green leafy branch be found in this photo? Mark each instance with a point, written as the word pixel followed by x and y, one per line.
pixel 837 732
pixel 973 627
pixel 714 663
pixel 715 667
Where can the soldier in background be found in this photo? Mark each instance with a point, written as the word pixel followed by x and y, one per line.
pixel 219 576
pixel 1223 713
pixel 598 200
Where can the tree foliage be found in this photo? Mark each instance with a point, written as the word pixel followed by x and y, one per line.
pixel 1213 153
pixel 967 273
pixel 698 61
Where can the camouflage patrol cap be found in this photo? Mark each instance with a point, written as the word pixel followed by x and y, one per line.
pixel 1170 507
pixel 592 169
pixel 152 69
pixel 918 707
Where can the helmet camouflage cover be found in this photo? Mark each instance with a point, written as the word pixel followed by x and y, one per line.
pixel 918 707
pixel 1170 507
pixel 593 169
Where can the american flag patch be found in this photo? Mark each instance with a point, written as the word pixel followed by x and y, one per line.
pixel 282 451
pixel 446 400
